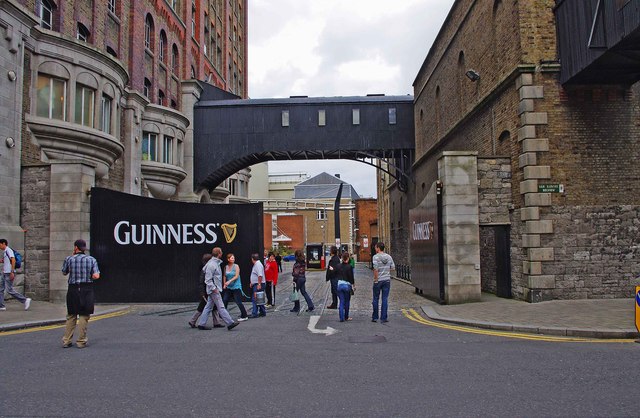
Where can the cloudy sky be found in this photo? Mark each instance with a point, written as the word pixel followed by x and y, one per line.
pixel 339 48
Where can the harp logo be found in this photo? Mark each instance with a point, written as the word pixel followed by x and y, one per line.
pixel 229 231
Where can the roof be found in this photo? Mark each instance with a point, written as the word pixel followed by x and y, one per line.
pixel 323 186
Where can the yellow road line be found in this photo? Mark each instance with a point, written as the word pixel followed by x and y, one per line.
pixel 416 317
pixel 48 327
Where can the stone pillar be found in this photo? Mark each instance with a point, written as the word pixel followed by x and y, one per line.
pixel 536 282
pixel 132 139
pixel 15 24
pixel 191 91
pixel 70 217
pixel 458 172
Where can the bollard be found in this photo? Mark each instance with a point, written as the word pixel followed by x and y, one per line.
pixel 638 310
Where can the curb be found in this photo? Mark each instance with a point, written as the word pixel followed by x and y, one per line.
pixel 55 321
pixel 532 329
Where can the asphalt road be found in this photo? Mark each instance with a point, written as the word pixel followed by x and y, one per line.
pixel 150 363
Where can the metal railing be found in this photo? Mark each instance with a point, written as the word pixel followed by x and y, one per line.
pixel 403 272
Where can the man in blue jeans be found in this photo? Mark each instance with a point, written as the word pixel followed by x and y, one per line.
pixel 382 266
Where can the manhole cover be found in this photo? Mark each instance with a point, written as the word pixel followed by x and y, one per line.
pixel 368 339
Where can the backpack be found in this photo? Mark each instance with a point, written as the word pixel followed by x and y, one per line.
pixel 18 258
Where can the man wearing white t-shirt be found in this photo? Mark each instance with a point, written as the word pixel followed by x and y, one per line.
pixel 8 275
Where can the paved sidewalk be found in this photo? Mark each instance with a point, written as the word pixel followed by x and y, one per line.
pixel 42 313
pixel 595 318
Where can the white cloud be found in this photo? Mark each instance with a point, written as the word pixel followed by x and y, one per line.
pixel 339 48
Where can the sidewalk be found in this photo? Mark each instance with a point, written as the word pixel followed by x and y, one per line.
pixel 42 313
pixel 594 318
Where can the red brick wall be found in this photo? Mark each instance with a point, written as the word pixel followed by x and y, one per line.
pixel 267 235
pixel 366 215
pixel 293 227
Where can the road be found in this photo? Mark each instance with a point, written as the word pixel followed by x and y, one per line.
pixel 150 363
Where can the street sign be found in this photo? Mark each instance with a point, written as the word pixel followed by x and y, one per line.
pixel 551 188
pixel 638 308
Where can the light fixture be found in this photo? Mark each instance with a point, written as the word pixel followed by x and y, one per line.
pixel 472 75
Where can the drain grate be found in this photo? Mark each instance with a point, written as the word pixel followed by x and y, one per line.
pixel 368 339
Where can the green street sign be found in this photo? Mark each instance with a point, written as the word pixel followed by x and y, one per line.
pixel 551 188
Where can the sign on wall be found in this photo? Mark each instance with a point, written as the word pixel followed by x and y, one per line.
pixel 150 250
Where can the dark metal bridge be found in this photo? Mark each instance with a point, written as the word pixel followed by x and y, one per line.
pixel 230 135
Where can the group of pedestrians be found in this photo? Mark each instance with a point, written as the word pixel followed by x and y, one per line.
pixel 340 273
pixel 218 287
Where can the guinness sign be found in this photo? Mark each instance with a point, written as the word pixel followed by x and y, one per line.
pixel 150 250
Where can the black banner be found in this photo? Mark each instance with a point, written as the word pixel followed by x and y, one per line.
pixel 424 246
pixel 150 250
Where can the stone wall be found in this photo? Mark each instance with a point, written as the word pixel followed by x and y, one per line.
pixel 597 255
pixel 35 208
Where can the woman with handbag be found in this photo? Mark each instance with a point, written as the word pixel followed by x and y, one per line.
pixel 299 280
pixel 346 287
pixel 232 286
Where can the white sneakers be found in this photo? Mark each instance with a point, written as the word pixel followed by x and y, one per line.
pixel 27 303
pixel 242 319
pixel 3 309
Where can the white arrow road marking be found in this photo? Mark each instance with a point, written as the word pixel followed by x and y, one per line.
pixel 313 321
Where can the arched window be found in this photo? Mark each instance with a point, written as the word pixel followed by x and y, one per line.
pixel 148 32
pixel 111 6
pixel 161 97
pixel 147 88
pixel 44 10
pixel 175 61
pixel 163 46
pixel 83 33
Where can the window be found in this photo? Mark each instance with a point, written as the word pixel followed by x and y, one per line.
pixel 356 116
pixel 167 155
pixel 148 32
pixel 111 6
pixel 321 215
pixel 105 121
pixel 322 117
pixel 174 5
pixel 285 118
pixel 180 153
pixel 149 146
pixel 193 72
pixel 147 88
pixel 392 116
pixel 84 105
pixel 163 46
pixel 52 96
pixel 44 10
pixel 174 105
pixel 233 187
pixel 161 97
pixel 83 33
pixel 174 59
pixel 112 52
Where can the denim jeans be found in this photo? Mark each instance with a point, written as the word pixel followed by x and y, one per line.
pixel 254 307
pixel 5 282
pixel 236 294
pixel 215 299
pixel 384 286
pixel 344 294
pixel 300 285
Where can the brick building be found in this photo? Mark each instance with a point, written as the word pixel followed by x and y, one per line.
pixel 102 94
pixel 553 163
pixel 366 231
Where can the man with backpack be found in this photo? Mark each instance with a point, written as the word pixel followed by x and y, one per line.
pixel 9 275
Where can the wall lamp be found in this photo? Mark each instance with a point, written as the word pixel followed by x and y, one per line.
pixel 472 75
